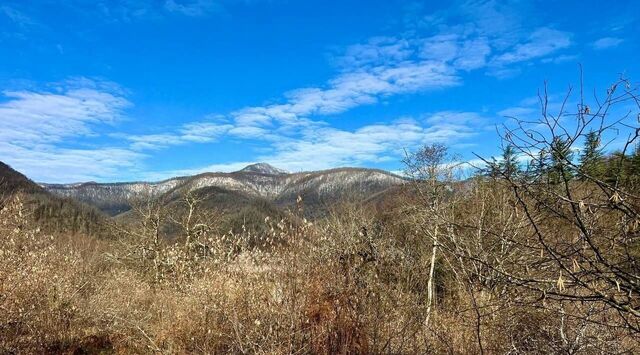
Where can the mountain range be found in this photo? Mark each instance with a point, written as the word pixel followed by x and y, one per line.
pixel 260 181
pixel 243 198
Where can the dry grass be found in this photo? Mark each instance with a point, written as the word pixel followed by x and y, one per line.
pixel 346 285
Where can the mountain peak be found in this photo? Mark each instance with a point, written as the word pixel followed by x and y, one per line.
pixel 263 168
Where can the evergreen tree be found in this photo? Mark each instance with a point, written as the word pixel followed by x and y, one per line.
pixel 592 161
pixel 491 169
pixel 623 168
pixel 617 168
pixel 538 167
pixel 561 157
pixel 634 166
pixel 509 167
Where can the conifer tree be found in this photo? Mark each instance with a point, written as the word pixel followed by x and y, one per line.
pixel 538 167
pixel 634 166
pixel 561 157
pixel 592 162
pixel 509 166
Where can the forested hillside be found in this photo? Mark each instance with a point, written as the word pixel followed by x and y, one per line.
pixel 51 213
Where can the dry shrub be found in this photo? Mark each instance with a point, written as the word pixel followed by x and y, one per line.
pixel 345 284
pixel 41 285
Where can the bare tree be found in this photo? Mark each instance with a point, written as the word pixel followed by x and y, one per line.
pixel 432 170
pixel 574 244
pixel 195 222
pixel 140 235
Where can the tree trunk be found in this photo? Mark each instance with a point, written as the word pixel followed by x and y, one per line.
pixel 430 283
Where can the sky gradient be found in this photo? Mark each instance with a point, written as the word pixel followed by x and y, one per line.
pixel 145 90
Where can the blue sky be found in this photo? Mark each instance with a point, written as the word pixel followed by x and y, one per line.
pixel 149 89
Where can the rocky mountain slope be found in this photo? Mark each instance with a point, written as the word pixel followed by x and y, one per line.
pixel 260 181
pixel 113 198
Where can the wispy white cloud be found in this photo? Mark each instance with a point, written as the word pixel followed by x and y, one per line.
pixel 484 34
pixel 472 54
pixel 517 112
pixel 386 66
pixel 15 24
pixel 195 132
pixel 31 117
pixel 504 23
pixel 349 89
pixel 327 147
pixel 361 86
pixel 192 7
pixel 501 20
pixel 564 58
pixel 330 147
pixel 137 10
pixel 16 16
pixel 498 36
pixel 53 164
pixel 203 132
pixel 461 52
pixel 37 128
pixel 606 42
pixel 542 42
pixel 376 51
pixel 152 141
